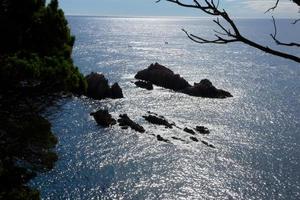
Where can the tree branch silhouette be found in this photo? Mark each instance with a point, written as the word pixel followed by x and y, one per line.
pixel 279 42
pixel 226 35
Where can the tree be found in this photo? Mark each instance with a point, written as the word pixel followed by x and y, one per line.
pixel 232 34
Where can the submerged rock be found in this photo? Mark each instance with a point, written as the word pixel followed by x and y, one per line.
pixel 202 129
pixel 206 89
pixel 103 118
pixel 159 138
pixel 176 138
pixel 126 122
pixel 190 131
pixel 158 120
pixel 98 87
pixel 162 76
pixel 144 84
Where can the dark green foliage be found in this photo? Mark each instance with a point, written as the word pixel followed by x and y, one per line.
pixel 35 61
pixel 36 44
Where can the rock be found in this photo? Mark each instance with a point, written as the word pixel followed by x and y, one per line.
pixel 194 139
pixel 176 138
pixel 144 84
pixel 103 118
pixel 190 131
pixel 206 89
pixel 209 145
pixel 125 121
pixel 98 87
pixel 202 130
pixel 162 76
pixel 116 91
pixel 159 138
pixel 158 120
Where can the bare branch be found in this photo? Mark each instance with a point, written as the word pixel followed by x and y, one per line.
pixel 296 21
pixel 227 35
pixel 277 41
pixel 273 7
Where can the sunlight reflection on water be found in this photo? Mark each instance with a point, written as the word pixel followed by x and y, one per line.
pixel 256 133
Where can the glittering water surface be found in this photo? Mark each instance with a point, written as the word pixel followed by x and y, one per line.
pixel 256 133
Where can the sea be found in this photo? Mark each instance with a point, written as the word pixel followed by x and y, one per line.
pixel 256 133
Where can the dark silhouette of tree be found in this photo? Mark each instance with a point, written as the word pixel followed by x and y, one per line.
pixel 232 34
pixel 36 45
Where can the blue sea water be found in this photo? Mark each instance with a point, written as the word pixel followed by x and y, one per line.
pixel 256 133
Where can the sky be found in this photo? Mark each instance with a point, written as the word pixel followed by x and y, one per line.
pixel 236 8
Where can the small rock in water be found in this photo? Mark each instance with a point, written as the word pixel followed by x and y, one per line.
pixel 125 121
pixel 209 145
pixel 202 130
pixel 116 91
pixel 103 118
pixel 190 131
pixel 176 138
pixel 159 138
pixel 194 139
pixel 158 120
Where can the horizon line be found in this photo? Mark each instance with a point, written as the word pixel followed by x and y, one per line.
pixel 164 16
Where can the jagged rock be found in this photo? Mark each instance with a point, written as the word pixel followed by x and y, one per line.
pixel 206 89
pixel 98 87
pixel 159 138
pixel 158 120
pixel 125 121
pixel 190 131
pixel 194 139
pixel 162 76
pixel 103 118
pixel 144 84
pixel 116 91
pixel 202 130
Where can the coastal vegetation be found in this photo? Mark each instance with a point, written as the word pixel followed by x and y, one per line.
pixel 35 65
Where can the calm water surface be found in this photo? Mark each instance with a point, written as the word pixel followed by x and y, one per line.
pixel 256 133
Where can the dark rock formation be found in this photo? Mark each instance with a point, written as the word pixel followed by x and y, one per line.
pixel 162 76
pixel 159 138
pixel 98 87
pixel 176 138
pixel 144 84
pixel 158 120
pixel 116 91
pixel 190 131
pixel 209 145
pixel 125 121
pixel 202 130
pixel 206 89
pixel 103 118
pixel 194 139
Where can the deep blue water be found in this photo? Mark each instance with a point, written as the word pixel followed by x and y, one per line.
pixel 256 133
